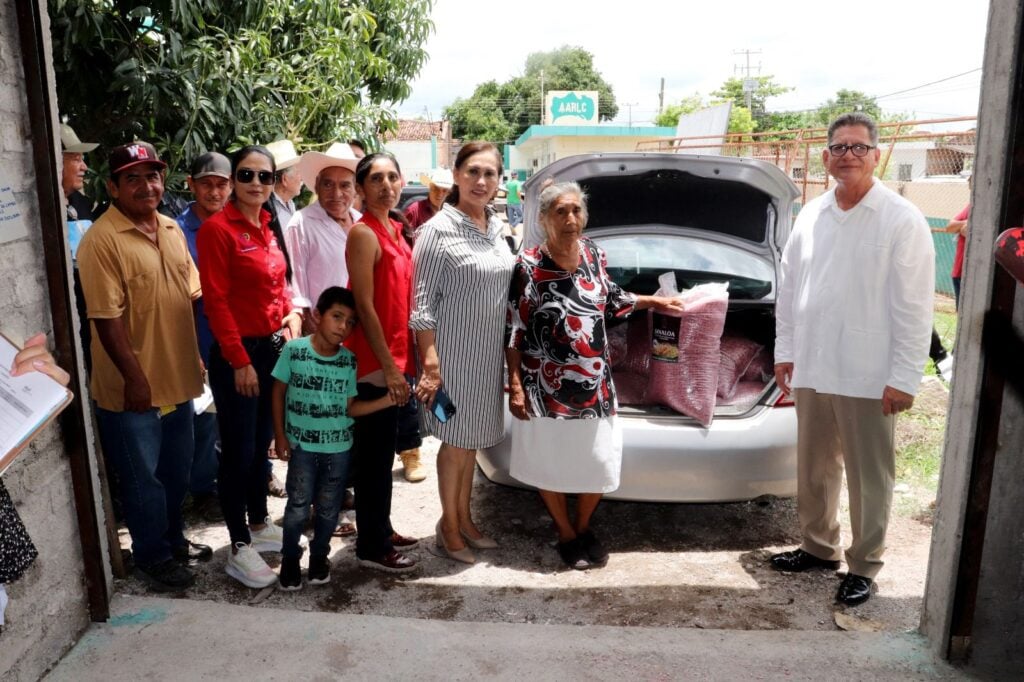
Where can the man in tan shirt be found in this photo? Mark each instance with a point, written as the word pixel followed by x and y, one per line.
pixel 140 283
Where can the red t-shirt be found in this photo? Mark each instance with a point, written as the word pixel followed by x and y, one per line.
pixel 242 272
pixel 961 244
pixel 420 212
pixel 392 297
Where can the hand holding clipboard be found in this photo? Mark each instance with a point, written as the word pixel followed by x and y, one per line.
pixel 32 393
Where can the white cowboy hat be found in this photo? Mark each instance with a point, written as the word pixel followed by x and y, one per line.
pixel 338 154
pixel 284 154
pixel 69 140
pixel 441 177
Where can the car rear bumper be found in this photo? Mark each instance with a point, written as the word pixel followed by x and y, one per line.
pixel 665 460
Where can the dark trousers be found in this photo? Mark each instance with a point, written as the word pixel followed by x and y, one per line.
pixel 374 454
pixel 408 424
pixel 246 429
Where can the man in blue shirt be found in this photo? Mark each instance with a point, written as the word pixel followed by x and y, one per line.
pixel 210 182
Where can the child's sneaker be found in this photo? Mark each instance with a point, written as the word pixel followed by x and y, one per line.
pixel 269 539
pixel 290 578
pixel 319 570
pixel 249 568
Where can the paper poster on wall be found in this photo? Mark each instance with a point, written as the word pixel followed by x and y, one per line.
pixel 11 224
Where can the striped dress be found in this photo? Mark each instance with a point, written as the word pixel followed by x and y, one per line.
pixel 460 287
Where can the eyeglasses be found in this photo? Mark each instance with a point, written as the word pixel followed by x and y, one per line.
pixel 246 175
pixel 857 149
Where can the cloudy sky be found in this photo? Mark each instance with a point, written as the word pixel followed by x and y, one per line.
pixel 887 48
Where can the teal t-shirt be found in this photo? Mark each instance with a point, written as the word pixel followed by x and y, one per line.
pixel 316 403
pixel 512 188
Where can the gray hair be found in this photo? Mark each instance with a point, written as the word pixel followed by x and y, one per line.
pixel 552 193
pixel 854 118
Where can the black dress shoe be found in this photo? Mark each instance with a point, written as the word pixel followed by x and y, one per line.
pixel 799 560
pixel 855 589
pixel 596 552
pixel 192 553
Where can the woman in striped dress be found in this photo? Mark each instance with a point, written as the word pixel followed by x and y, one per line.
pixel 462 268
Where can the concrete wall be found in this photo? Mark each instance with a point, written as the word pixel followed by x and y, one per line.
pixel 48 608
pixel 415 157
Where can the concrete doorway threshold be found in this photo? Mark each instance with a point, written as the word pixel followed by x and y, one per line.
pixel 181 639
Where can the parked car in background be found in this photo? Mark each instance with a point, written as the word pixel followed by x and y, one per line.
pixel 707 219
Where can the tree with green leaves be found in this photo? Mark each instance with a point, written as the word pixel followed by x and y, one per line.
pixel 732 89
pixel 198 75
pixel 501 112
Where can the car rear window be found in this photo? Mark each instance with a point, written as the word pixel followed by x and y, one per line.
pixel 636 261
pixel 673 197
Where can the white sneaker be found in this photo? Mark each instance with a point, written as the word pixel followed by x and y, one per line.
pixel 945 368
pixel 270 538
pixel 249 568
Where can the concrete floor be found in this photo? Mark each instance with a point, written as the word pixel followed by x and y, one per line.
pixel 182 639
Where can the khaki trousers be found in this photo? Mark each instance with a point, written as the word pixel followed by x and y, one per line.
pixel 833 430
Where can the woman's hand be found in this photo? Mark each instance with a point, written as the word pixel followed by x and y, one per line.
pixel 517 402
pixel 291 325
pixel 398 387
pixel 427 385
pixel 246 382
pixel 35 357
pixel 668 304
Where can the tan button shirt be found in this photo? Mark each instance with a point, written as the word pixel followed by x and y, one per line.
pixel 152 286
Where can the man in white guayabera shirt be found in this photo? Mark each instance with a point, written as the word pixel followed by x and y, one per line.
pixel 854 319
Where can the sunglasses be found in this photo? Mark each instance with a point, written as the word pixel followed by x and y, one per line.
pixel 246 175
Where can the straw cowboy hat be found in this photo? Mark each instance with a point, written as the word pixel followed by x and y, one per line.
pixel 284 154
pixel 338 154
pixel 439 177
pixel 69 140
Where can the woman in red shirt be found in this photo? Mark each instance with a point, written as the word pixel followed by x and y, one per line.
pixel 248 303
pixel 380 275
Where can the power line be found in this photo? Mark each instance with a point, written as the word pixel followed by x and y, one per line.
pixel 918 87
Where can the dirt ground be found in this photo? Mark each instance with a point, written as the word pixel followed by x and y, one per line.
pixel 672 565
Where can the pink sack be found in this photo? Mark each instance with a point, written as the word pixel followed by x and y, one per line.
pixel 638 344
pixel 617 346
pixel 746 393
pixel 629 387
pixel 761 368
pixel 736 354
pixel 685 354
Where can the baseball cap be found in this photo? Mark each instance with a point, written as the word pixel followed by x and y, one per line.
pixel 128 155
pixel 69 140
pixel 211 163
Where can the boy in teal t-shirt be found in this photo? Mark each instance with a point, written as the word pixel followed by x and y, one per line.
pixel 313 404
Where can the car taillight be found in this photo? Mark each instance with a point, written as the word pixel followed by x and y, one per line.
pixel 784 401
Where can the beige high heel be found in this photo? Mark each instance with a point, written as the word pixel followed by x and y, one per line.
pixel 465 555
pixel 482 542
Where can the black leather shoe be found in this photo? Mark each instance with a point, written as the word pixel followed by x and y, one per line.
pixel 192 553
pixel 855 589
pixel 799 560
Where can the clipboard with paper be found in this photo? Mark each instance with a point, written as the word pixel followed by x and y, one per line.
pixel 27 404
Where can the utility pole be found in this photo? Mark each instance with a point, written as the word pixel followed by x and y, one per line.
pixel 629 106
pixel 543 106
pixel 661 97
pixel 749 83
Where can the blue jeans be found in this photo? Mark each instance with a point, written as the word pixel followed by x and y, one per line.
pixel 246 430
pixel 152 456
pixel 203 480
pixel 514 212
pixel 317 479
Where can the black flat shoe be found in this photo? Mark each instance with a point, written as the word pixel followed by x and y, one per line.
pixel 596 552
pixel 855 589
pixel 799 560
pixel 192 553
pixel 574 554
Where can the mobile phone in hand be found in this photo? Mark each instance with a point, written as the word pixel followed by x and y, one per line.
pixel 443 408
